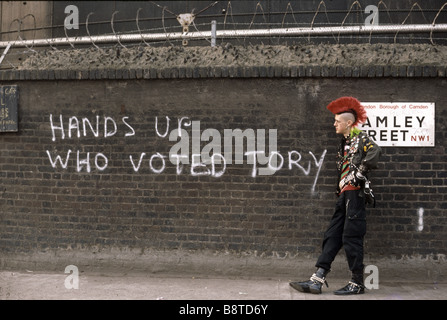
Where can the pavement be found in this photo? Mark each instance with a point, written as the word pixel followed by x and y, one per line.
pixel 31 285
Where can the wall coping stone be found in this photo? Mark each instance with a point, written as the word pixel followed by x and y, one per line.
pixel 301 71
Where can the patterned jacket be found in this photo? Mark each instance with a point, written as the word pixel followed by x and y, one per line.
pixel 362 156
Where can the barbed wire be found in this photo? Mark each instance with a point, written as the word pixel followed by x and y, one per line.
pixel 258 10
pixel 257 20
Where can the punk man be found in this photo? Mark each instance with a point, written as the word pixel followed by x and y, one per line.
pixel 357 155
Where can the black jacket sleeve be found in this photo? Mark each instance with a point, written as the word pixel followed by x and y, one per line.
pixel 370 154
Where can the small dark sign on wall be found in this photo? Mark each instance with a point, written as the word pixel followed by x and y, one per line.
pixel 9 98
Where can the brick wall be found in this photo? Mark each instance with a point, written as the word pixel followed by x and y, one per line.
pixel 107 199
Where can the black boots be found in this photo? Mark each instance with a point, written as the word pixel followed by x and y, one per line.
pixel 314 284
pixel 355 286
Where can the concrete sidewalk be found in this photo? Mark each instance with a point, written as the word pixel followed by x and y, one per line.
pixel 30 285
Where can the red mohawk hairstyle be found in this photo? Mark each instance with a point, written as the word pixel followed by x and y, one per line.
pixel 349 104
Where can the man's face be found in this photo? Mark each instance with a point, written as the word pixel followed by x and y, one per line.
pixel 341 124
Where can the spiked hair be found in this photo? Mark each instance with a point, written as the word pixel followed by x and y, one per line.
pixel 351 105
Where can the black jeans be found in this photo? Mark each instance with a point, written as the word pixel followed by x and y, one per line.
pixel 347 229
